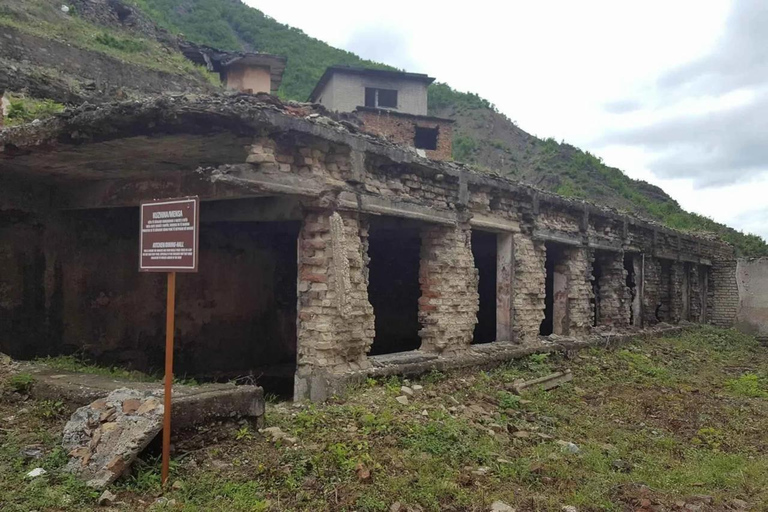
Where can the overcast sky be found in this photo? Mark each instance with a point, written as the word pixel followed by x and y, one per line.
pixel 672 92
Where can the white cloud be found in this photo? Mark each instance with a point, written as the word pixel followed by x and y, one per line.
pixel 555 67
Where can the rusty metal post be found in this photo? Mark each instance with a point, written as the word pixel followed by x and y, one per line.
pixel 169 331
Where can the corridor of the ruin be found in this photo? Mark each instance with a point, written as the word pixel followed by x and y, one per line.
pixel 393 288
pixel 484 251
pixel 555 291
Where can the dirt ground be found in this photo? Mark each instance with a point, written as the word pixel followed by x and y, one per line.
pixel 676 423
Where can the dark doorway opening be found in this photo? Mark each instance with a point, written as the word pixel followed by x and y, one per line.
pixel 393 284
pixel 631 284
pixel 484 250
pixel 554 300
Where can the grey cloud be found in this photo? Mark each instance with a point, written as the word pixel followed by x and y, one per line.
pixel 753 221
pixel 739 60
pixel 382 44
pixel 622 106
pixel 725 146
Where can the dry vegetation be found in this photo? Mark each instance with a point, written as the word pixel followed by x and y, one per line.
pixel 677 423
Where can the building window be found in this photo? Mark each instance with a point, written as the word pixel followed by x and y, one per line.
pixel 426 138
pixel 383 98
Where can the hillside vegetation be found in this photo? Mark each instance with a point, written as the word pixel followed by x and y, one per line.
pixel 484 137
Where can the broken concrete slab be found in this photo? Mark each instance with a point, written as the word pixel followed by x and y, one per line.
pixel 550 381
pixel 192 405
pixel 103 440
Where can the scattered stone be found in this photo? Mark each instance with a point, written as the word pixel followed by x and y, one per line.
pixel 417 387
pixel 569 508
pixel 277 434
pixel 106 499
pixel 32 452
pixel 177 485
pixel 406 390
pixel 424 413
pixel 621 466
pixel 453 400
pixel 548 382
pixel 396 507
pixel 103 441
pixel 363 473
pixel 568 447
pixel 739 504
pixel 500 506
pixel 402 399
pixel 481 471
pixel 65 9
pixel 36 473
pixel 522 434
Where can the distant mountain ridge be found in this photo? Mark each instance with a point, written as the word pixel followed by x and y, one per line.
pixel 483 137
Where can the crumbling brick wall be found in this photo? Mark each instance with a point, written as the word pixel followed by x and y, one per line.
pixel 449 298
pixel 613 299
pixel 675 291
pixel 401 129
pixel 579 271
pixel 724 288
pixel 336 320
pixel 652 290
pixel 528 287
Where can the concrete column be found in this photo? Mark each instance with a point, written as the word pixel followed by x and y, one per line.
pixel 505 270
pixel 449 299
pixel 335 319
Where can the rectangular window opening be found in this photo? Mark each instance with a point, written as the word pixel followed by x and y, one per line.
pixel 387 98
pixel 425 138
pixel 370 97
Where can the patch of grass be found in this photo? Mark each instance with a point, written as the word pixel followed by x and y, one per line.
pixel 20 383
pixel 23 109
pixel 749 385
pixel 74 363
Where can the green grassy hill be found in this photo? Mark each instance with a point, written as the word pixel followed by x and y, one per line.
pixel 484 137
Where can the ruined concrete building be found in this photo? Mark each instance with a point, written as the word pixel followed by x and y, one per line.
pixel 249 72
pixel 325 251
pixel 392 104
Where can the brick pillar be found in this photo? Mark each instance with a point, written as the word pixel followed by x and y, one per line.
pixel 578 262
pixel 676 283
pixel 651 289
pixel 723 292
pixel 614 294
pixel 505 273
pixel 449 299
pixel 335 318
pixel 528 290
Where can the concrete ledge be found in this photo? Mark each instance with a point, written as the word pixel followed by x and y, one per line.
pixel 192 405
pixel 322 384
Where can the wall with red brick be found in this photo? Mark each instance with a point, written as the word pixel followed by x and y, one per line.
pixel 401 129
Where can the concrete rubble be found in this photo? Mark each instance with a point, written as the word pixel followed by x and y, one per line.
pixel 104 438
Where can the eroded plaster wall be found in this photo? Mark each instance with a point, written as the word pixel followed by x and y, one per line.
pixel 752 279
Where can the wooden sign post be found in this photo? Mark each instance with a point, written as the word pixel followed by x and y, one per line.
pixel 168 243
